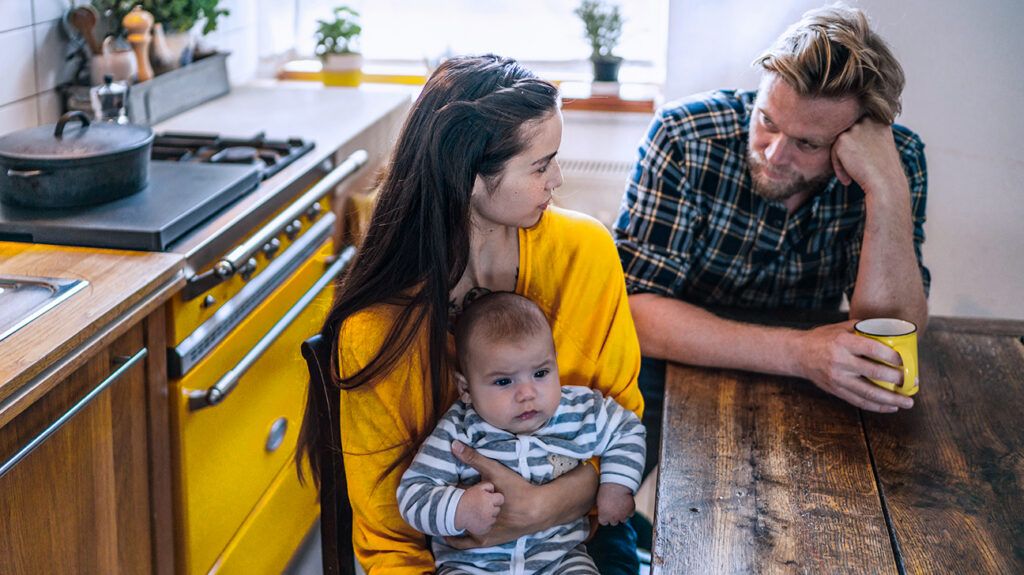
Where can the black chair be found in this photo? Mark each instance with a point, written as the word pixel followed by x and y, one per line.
pixel 335 509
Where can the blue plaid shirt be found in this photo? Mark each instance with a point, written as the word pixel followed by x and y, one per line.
pixel 691 227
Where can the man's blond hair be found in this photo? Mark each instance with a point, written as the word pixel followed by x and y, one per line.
pixel 832 52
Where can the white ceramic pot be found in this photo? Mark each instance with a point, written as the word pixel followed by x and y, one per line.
pixel 342 69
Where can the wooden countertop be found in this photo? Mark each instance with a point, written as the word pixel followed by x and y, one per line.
pixel 123 287
pixel 761 473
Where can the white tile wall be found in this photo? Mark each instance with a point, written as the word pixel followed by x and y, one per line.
pixel 46 10
pixel 15 14
pixel 50 45
pixel 33 55
pixel 19 68
pixel 19 115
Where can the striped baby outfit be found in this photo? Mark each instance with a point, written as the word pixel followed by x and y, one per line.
pixel 586 424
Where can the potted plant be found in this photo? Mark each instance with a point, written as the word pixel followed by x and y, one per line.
pixel 173 34
pixel 602 23
pixel 336 46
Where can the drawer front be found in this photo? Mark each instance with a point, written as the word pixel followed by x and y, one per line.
pixel 226 455
pixel 274 530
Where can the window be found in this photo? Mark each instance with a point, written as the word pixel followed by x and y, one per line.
pixel 544 34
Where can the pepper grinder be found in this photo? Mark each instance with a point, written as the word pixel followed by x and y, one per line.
pixel 138 23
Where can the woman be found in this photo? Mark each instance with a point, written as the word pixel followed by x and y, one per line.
pixel 463 210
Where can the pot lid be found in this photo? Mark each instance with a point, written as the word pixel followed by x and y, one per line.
pixel 74 137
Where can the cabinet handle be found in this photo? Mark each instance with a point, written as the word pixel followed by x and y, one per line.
pixel 226 384
pixel 56 425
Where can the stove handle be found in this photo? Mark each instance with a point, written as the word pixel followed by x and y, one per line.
pixel 200 399
pixel 236 259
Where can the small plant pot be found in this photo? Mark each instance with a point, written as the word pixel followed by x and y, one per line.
pixel 607 69
pixel 342 69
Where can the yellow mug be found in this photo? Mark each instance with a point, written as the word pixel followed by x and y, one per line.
pixel 901 336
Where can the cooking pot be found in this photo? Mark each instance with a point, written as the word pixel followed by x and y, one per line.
pixel 60 166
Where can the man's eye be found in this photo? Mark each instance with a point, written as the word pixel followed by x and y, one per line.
pixel 541 373
pixel 767 123
pixel 808 147
pixel 503 381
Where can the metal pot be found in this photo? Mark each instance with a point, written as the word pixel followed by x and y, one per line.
pixel 54 167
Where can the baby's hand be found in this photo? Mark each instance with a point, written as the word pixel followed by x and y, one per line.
pixel 478 509
pixel 615 503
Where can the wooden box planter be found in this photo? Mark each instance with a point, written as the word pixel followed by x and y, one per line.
pixel 174 92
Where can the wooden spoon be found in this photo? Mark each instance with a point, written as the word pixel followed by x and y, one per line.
pixel 84 20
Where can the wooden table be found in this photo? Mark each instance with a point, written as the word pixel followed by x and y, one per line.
pixel 769 474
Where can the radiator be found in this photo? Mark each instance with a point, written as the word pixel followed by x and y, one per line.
pixel 593 187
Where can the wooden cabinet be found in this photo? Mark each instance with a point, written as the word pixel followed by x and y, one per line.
pixel 90 497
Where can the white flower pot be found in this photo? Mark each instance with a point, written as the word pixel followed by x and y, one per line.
pixel 342 69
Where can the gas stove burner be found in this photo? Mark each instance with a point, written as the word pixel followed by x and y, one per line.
pixel 269 156
pixel 236 155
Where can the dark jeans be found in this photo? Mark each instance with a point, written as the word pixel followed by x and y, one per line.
pixel 613 550
pixel 652 386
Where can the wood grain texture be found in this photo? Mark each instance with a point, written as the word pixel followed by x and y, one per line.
pixel 764 474
pixel 118 282
pixel 79 503
pixel 952 468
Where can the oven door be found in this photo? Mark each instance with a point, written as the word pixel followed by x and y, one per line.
pixel 237 413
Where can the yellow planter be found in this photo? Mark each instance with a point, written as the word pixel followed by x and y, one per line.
pixel 342 70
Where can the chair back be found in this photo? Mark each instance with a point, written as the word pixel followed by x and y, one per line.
pixel 335 509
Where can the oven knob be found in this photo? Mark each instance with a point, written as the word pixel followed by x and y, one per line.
pixel 248 269
pixel 270 248
pixel 314 211
pixel 293 229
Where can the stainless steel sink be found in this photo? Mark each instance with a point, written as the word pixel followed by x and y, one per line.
pixel 24 298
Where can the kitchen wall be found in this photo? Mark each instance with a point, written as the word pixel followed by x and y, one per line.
pixel 965 89
pixel 33 46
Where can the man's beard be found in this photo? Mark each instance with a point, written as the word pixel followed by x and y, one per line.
pixel 777 190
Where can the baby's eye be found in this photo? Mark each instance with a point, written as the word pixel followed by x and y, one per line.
pixel 541 373
pixel 503 381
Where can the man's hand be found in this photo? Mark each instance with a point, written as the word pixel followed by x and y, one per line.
pixel 837 360
pixel 615 503
pixel 478 509
pixel 866 154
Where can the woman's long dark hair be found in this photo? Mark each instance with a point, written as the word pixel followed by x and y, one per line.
pixel 467 122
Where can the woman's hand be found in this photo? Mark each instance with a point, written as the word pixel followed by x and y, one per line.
pixel 527 508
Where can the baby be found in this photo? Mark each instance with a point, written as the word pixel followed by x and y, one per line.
pixel 511 408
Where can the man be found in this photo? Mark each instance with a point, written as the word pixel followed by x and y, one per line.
pixel 789 197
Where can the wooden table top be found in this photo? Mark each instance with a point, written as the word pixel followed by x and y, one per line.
pixel 769 474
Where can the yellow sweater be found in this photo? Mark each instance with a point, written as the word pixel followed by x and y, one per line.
pixel 568 266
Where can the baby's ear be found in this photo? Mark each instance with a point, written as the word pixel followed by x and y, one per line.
pixel 463 385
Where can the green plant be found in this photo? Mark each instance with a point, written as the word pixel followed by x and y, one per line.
pixel 602 24
pixel 181 15
pixel 175 15
pixel 338 36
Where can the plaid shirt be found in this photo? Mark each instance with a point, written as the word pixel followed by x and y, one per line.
pixel 691 227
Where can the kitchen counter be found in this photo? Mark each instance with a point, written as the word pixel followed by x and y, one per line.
pixel 333 118
pixel 123 288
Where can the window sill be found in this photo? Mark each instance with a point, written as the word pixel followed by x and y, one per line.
pixel 576 96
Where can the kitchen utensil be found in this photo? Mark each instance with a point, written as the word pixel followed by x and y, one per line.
pixel 117 62
pixel 138 24
pixel 109 100
pixel 84 18
pixel 56 166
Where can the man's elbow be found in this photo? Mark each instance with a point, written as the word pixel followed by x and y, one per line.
pixel 643 307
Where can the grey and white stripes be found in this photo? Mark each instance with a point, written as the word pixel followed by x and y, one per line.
pixel 585 425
